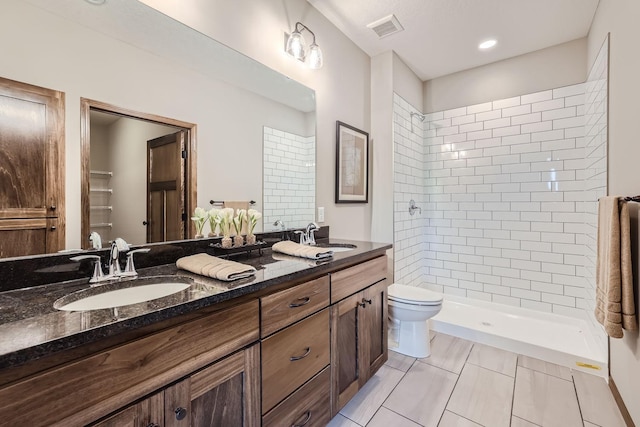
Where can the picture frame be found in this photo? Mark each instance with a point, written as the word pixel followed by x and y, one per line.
pixel 352 164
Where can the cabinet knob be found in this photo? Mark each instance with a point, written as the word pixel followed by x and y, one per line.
pixel 153 425
pixel 368 301
pixel 180 413
pixel 145 223
pixel 52 228
pixel 53 207
pixel 306 353
pixel 302 301
pixel 306 420
pixel 361 304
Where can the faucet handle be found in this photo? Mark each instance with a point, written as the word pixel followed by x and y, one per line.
pixel 311 239
pixel 98 275
pixel 302 236
pixel 130 268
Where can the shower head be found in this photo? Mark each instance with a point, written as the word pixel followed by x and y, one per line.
pixel 420 116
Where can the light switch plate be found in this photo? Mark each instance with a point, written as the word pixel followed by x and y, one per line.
pixel 320 214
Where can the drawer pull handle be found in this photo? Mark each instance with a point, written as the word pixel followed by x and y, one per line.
pixel 306 420
pixel 304 301
pixel 306 353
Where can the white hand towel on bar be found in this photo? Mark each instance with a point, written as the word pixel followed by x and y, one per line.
pixel 615 304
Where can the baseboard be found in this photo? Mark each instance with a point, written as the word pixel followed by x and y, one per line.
pixel 620 402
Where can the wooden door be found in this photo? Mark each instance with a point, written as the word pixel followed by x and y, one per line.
pixel 146 413
pixel 226 393
pixel 346 350
pixel 32 213
pixel 166 188
pixel 373 330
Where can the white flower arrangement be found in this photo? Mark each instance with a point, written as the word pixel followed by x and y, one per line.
pixel 252 220
pixel 199 218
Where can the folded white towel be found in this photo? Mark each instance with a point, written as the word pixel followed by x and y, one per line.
pixel 304 251
pixel 221 269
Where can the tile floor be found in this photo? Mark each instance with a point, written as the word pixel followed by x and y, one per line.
pixel 465 384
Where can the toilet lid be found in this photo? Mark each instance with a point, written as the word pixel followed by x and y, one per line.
pixel 413 295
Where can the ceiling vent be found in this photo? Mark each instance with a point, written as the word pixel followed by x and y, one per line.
pixel 386 26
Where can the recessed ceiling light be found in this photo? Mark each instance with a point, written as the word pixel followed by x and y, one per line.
pixel 96 2
pixel 487 44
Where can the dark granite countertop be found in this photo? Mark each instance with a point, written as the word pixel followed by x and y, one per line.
pixel 31 328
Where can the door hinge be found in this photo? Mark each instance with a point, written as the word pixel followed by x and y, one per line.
pixel 184 154
pixel 184 216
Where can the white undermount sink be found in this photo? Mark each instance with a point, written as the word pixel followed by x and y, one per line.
pixel 99 297
pixel 338 247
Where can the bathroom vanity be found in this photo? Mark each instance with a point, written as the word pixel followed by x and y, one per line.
pixel 288 347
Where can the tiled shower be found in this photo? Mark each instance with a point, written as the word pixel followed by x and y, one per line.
pixel 508 191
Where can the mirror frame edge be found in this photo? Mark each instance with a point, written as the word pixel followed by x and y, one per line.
pixel 86 105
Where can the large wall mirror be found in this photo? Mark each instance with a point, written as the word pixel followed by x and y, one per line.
pixel 129 55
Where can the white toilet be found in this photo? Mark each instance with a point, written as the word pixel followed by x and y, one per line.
pixel 409 309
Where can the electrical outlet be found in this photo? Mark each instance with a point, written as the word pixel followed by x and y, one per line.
pixel 320 214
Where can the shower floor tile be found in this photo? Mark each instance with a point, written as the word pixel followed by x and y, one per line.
pixel 463 384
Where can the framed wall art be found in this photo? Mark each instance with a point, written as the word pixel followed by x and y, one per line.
pixel 352 164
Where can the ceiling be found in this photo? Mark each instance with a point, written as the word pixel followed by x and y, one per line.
pixel 441 37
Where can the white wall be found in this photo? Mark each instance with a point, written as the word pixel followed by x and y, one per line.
pixel 554 66
pixel 620 19
pixel 256 28
pixel 390 76
pixel 42 49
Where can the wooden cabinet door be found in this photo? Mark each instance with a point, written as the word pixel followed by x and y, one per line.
pixel 346 350
pixel 147 413
pixel 226 393
pixel 373 330
pixel 31 167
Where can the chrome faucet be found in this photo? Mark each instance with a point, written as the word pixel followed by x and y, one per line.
pixel 279 223
pixel 113 264
pixel 311 228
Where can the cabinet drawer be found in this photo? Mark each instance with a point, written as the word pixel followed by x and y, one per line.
pixel 290 305
pixel 292 356
pixel 110 379
pixel 309 406
pixel 353 279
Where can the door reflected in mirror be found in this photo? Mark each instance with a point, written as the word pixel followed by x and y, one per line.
pixel 138 176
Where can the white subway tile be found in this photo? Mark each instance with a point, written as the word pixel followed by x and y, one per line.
pixel 537 127
pixel 463 120
pixel 488 115
pixel 506 131
pixel 471 127
pixel 548 135
pixel 536 97
pixel 516 168
pixel 570 122
pixel 526 118
pixel 560 113
pixel 559 299
pixel 507 102
pixel 577 89
pixel 532 147
pixel 526 294
pixel 498 123
pixel 547 105
pixel 506 300
pixel 455 112
pixel 516 111
pixel 516 139
pixel 479 134
pixel 497 289
pixel 479 108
